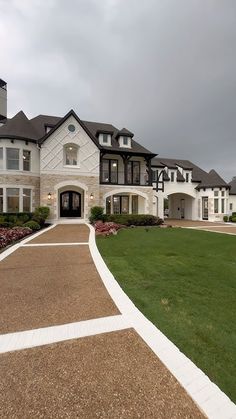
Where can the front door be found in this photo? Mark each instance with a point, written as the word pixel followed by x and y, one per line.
pixel 70 204
pixel 205 208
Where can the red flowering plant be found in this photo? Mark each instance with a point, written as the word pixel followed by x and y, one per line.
pixel 107 228
pixel 10 235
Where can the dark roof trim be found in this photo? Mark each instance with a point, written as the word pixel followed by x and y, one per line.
pixel 212 186
pixel 16 137
pixel 70 113
pixel 100 131
pixel 124 132
pixel 127 152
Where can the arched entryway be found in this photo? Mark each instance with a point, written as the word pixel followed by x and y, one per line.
pixel 180 206
pixel 70 204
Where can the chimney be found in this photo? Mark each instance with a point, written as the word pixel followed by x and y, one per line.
pixel 3 101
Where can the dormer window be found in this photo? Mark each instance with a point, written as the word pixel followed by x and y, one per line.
pixel 71 155
pixel 105 139
pixel 124 141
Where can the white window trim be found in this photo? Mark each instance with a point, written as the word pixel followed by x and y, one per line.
pixel 121 142
pixel 101 142
pixel 71 166
pixel 20 187
pixel 21 166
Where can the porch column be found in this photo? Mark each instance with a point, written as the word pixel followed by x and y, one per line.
pixel 160 207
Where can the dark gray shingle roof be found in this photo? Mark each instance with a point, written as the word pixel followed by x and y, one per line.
pixel 233 187
pixel 200 176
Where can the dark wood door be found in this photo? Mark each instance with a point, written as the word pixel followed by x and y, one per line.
pixel 70 204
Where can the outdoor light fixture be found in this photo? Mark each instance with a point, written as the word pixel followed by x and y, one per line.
pixel 91 196
pixel 49 196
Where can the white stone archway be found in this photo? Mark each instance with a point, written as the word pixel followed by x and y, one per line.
pixel 128 191
pixel 73 185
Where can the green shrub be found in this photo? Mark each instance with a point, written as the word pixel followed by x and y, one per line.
pixel 97 213
pixel 226 218
pixel 33 225
pixel 14 219
pixel 230 218
pixel 233 219
pixel 40 215
pixel 135 219
pixel 233 214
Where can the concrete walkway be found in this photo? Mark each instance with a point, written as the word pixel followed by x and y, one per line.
pixel 73 345
pixel 226 228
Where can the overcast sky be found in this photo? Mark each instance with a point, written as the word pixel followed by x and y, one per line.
pixel 165 69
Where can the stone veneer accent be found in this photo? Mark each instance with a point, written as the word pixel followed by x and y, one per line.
pixel 147 190
pixel 16 181
pixel 49 184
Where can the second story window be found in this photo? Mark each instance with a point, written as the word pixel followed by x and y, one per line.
pixel 133 172
pixel 71 155
pixel 172 176
pixel 187 177
pixel 26 160
pixel 12 158
pixel 109 172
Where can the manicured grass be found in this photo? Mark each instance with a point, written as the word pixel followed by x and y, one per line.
pixel 184 281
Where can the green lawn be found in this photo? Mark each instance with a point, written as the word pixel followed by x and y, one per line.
pixel 184 281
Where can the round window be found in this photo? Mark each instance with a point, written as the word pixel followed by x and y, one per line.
pixel 71 128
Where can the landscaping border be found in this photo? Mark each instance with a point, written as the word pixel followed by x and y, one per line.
pixel 213 402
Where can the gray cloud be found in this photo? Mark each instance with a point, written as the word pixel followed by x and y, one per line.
pixel 164 69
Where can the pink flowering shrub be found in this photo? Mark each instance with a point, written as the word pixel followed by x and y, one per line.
pixel 9 235
pixel 106 229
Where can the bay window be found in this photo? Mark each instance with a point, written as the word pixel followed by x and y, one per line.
pixel 13 200
pixel 1 199
pixel 26 160
pixel 12 158
pixel 26 200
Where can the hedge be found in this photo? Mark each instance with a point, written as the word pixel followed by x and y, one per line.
pixel 134 219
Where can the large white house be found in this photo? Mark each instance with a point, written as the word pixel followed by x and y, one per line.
pixel 71 165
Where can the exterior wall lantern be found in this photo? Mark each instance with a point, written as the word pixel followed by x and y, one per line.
pixel 49 196
pixel 91 196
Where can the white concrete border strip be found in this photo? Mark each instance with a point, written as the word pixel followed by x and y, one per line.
pixel 16 246
pixel 54 334
pixel 55 244
pixel 210 399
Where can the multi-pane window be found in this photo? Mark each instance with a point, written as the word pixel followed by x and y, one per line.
pixel 12 200
pixel 187 177
pixel 1 158
pixel 222 206
pixel 222 193
pixel 133 172
pixel 125 141
pixel 231 206
pixel 134 204
pixel 120 204
pixel 12 158
pixel 26 200
pixel 216 206
pixel 172 176
pixel 71 155
pixel 154 175
pixel 216 193
pixel 26 160
pixel 1 199
pixel 105 138
pixel 109 171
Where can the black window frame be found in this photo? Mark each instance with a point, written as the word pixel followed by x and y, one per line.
pixel 131 162
pixel 25 160
pixel 111 161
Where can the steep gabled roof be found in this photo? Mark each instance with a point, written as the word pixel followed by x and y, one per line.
pixel 42 121
pixel 200 176
pixel 19 127
pixel 179 177
pixel 232 185
pixel 62 120
pixel 124 132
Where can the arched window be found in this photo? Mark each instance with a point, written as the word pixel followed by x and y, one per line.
pixel 71 155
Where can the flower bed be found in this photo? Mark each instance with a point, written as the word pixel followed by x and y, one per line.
pixel 106 229
pixel 10 235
